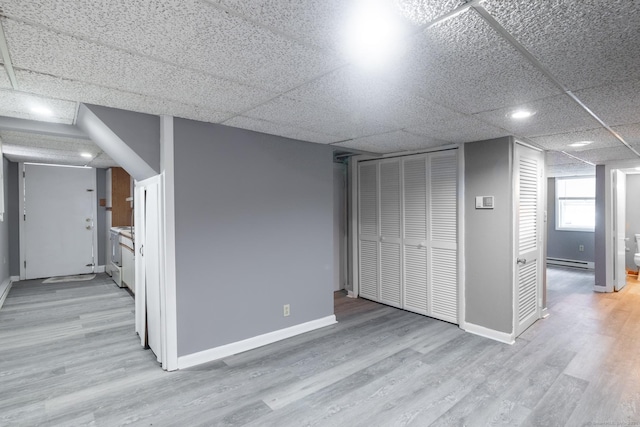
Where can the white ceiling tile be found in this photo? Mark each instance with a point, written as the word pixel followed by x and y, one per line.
pixel 600 137
pixel 558 158
pixel 316 118
pixel 558 114
pixel 109 97
pixel 602 155
pixel 392 142
pixel 35 140
pixel 20 153
pixel 286 131
pixel 54 54
pixel 615 104
pixel 583 43
pixel 459 129
pixel 190 33
pixel 464 64
pixel 630 133
pixel 20 104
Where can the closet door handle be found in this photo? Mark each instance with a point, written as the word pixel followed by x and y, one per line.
pixel 522 261
pixel 141 251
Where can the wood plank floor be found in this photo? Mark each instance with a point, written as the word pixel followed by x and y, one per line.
pixel 69 356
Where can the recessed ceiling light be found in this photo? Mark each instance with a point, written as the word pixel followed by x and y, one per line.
pixel 42 111
pixel 522 114
pixel 86 155
pixel 580 143
pixel 374 35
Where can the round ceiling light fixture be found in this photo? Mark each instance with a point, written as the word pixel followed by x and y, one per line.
pixel 521 114
pixel 580 143
pixel 41 110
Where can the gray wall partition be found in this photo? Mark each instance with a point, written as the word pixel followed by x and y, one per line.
pixel 632 218
pixel 12 216
pixel 4 228
pixel 600 252
pixel 488 235
pixel 254 231
pixel 566 244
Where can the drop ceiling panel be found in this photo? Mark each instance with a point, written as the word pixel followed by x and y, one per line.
pixel 558 114
pixel 50 53
pixel 60 88
pixel 458 128
pixel 286 131
pixel 391 142
pixel 464 64
pixel 193 34
pixel 630 133
pixel 602 155
pixel 355 91
pixel 601 138
pixel 35 140
pixel 616 104
pixel 316 118
pixel 20 104
pixel 554 158
pixel 18 153
pixel 584 44
pixel 573 169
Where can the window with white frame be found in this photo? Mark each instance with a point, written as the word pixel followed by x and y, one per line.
pixel 576 203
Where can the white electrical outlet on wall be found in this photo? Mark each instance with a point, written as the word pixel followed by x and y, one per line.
pixel 286 310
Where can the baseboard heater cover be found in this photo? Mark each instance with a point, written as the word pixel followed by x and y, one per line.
pixel 584 265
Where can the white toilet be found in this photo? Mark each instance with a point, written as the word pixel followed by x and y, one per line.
pixel 636 256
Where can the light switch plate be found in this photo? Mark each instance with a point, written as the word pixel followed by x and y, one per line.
pixel 484 202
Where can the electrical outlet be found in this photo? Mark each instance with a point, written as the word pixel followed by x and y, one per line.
pixel 581 248
pixel 286 310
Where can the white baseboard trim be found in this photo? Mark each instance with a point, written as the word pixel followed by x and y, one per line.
pixel 351 294
pixel 598 288
pixel 564 262
pixel 5 287
pixel 251 343
pixel 489 333
pixel 100 269
pixel 545 313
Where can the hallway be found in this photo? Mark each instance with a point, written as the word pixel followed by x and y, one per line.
pixel 69 356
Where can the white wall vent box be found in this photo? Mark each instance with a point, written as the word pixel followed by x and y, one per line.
pixel 484 202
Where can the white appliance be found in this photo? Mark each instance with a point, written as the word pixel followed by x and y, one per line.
pixel 115 264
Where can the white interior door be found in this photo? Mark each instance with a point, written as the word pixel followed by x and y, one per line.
pixel 528 236
pixel 140 292
pixel 58 223
pixel 390 233
pixel 619 224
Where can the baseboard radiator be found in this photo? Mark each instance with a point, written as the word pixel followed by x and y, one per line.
pixel 584 265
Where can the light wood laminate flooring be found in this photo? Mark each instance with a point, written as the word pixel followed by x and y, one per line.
pixel 69 357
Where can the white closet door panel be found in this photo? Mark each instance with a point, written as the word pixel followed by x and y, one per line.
pixel 443 267
pixel 415 279
pixel 390 274
pixel 528 188
pixel 390 207
pixel 415 199
pixel 368 201
pixel 369 269
pixel 443 175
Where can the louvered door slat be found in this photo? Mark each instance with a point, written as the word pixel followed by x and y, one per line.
pixel 444 284
pixel 443 197
pixel 369 269
pixel 390 199
pixel 390 274
pixel 368 203
pixel 415 280
pixel 527 283
pixel 415 199
pixel 528 195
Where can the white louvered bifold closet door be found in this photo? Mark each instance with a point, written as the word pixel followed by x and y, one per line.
pixel 368 230
pixel 390 233
pixel 408 233
pixel 415 235
pixel 442 245
pixel 527 245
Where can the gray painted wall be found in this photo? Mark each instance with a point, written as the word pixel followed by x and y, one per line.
pixel 488 235
pixel 600 258
pixel 12 209
pixel 141 132
pixel 101 218
pixel 632 217
pixel 565 244
pixel 4 227
pixel 254 231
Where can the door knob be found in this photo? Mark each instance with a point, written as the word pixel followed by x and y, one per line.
pixel 522 261
pixel 88 227
pixel 421 246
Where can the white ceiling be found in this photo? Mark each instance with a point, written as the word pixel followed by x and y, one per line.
pixel 280 67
